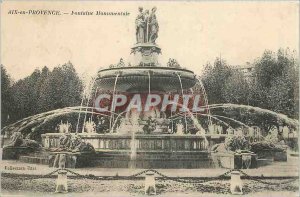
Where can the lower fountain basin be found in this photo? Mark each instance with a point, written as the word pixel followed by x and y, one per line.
pixel 152 151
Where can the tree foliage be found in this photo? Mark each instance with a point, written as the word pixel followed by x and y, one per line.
pixel 6 97
pixel 274 85
pixel 214 78
pixel 277 80
pixel 62 88
pixel 42 91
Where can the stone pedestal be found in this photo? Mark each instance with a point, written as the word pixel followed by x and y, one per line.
pixel 62 182
pixel 145 54
pixel 236 185
pixel 150 188
pixel 234 160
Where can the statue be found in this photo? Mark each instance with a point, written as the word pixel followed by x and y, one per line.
pixel 64 142
pixel 147 29
pixel 140 26
pixel 102 125
pixel 179 127
pixel 153 26
pixel 16 140
pixel 18 145
pixel 66 155
pixel 146 26
pixel 150 126
pixel 173 63
pixel 121 63
pixel 78 145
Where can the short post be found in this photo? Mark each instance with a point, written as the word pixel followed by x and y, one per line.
pixel 150 188
pixel 62 182
pixel 246 160
pixel 236 185
pixel 47 142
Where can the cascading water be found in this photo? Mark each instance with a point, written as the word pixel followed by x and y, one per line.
pixel 236 121
pixel 149 85
pixel 89 126
pixel 38 120
pixel 89 93
pixel 133 150
pixel 89 81
pixel 44 117
pixel 185 121
pixel 198 126
pixel 95 94
pixel 289 121
pixel 113 103
pixel 64 127
pixel 82 99
pixel 205 98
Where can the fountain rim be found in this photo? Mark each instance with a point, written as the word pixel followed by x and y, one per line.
pixel 147 68
pixel 138 135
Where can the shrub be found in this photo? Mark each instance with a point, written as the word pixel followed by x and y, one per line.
pixel 265 145
pixel 234 143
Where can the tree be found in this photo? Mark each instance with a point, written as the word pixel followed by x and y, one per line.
pixel 236 89
pixel 62 88
pixel 26 96
pixel 275 87
pixel 214 78
pixel 6 97
pixel 277 79
pixel 44 90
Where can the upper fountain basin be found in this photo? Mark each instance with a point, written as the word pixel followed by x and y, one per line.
pixel 136 79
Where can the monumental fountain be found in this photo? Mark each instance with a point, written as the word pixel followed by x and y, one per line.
pixel 145 133
pixel 145 139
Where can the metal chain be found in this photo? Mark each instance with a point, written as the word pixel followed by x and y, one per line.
pixel 140 173
pixel 75 173
pixel 176 179
pixel 31 177
pixel 185 180
pixel 265 182
pixel 51 173
pixel 226 173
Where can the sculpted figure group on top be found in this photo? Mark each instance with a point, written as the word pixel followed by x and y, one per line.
pixel 146 26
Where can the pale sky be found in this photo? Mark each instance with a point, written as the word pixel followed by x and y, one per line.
pixel 194 33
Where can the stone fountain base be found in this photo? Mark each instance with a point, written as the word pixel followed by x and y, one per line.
pixel 72 160
pixel 158 159
pixel 15 152
pixel 152 151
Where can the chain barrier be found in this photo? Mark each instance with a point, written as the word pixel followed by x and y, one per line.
pixel 140 173
pixel 226 173
pixel 51 173
pixel 189 180
pixel 75 173
pixel 31 177
pixel 265 182
pixel 181 180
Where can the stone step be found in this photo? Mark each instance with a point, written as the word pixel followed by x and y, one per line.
pixel 34 159
pixel 264 162
pixel 39 154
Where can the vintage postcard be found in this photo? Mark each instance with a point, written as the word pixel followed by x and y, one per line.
pixel 138 98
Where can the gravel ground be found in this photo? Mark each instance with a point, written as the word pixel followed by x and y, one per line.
pixel 136 187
